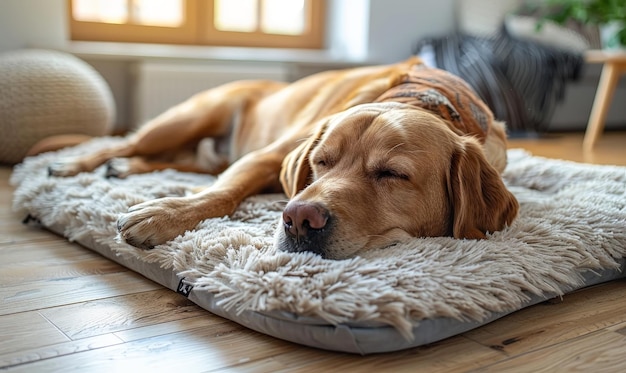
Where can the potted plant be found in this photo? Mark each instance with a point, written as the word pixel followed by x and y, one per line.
pixel 608 15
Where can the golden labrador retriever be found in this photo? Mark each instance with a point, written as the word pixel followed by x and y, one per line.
pixel 368 156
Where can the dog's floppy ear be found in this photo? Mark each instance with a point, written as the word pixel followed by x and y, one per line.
pixel 295 173
pixel 480 201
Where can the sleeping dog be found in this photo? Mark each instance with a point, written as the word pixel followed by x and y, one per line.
pixel 367 156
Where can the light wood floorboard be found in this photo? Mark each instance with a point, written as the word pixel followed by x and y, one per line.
pixel 64 308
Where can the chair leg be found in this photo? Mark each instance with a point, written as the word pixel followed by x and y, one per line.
pixel 601 104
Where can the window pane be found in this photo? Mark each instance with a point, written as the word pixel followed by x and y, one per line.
pixel 236 15
pixel 107 11
pixel 167 13
pixel 283 17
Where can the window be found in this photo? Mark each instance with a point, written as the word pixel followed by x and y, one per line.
pixel 258 23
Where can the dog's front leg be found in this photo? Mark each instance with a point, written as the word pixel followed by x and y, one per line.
pixel 157 221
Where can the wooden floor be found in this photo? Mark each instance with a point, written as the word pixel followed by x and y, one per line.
pixel 65 309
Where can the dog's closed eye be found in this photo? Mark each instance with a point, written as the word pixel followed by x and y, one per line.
pixel 386 173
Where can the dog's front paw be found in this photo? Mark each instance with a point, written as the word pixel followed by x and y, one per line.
pixel 64 168
pixel 155 222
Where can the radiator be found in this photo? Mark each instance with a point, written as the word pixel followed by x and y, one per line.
pixel 162 85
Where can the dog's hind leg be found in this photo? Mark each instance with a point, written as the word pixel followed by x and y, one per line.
pixel 166 133
pixel 207 114
pixel 123 167
pixel 74 165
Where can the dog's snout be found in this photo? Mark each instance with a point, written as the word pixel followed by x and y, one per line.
pixel 302 218
pixel 307 226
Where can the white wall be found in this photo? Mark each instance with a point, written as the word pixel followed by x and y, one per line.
pixel 27 23
pixel 346 29
pixel 385 31
pixel 396 25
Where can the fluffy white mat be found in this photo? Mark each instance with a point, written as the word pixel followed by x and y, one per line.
pixel 572 221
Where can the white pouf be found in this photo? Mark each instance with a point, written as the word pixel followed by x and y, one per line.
pixel 45 93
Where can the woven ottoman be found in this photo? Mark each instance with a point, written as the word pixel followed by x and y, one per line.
pixel 46 93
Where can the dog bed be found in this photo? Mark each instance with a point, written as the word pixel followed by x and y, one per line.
pixel 570 233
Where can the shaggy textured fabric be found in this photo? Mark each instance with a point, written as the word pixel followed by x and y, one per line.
pixel 571 223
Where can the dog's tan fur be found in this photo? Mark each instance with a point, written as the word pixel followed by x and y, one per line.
pixel 381 171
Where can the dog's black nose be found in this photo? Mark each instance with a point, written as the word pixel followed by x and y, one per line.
pixel 304 222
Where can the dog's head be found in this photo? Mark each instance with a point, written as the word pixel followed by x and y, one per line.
pixel 379 173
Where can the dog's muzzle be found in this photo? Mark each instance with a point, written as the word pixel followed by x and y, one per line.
pixel 306 227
